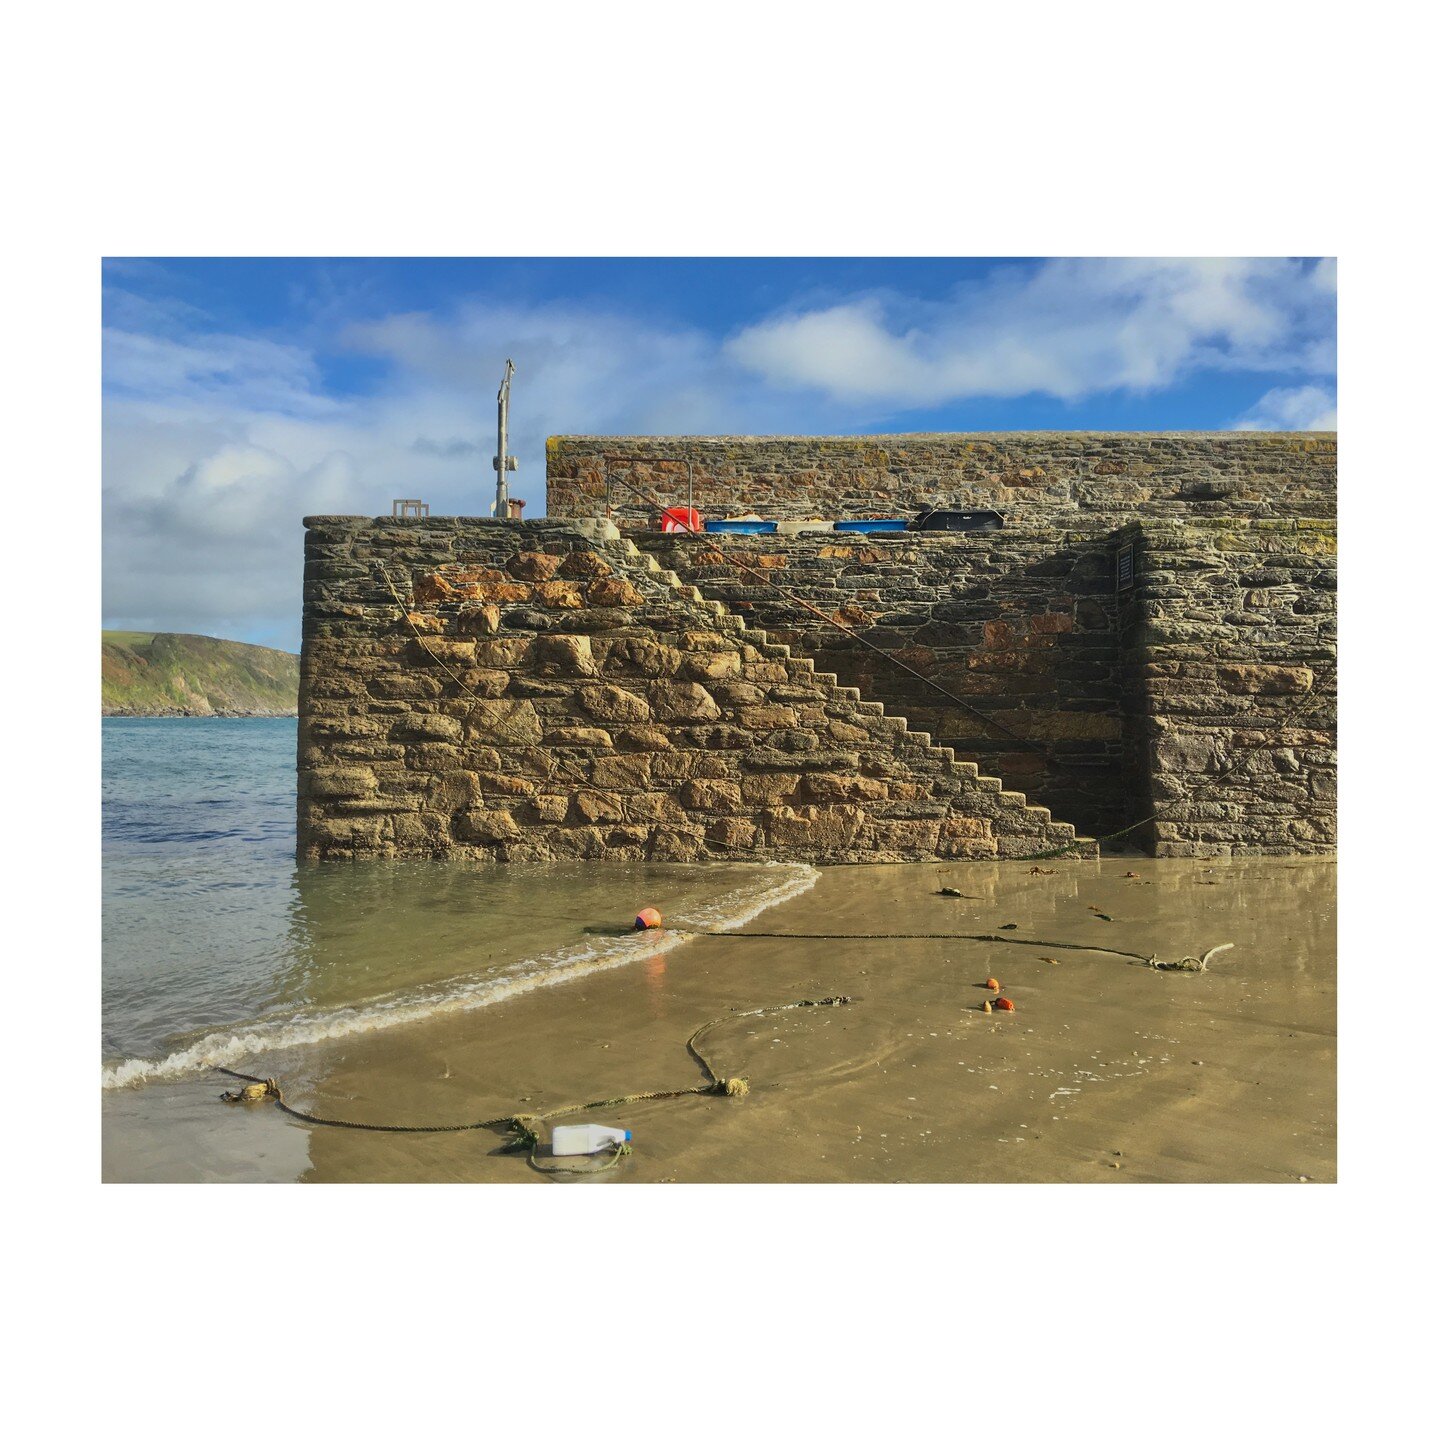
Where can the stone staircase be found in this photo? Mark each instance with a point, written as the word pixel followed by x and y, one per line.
pixel 1020 829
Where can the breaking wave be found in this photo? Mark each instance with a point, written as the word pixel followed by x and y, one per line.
pixel 230 1047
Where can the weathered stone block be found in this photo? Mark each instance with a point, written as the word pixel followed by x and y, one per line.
pixel 738 692
pixel 1266 679
pixel 583 565
pixel 497 784
pixel 610 702
pixel 641 657
pixel 591 806
pixel 439 651
pixel 348 782
pixel 478 620
pixel 642 737
pixel 675 843
pixel 654 809
pixel 734 833
pixel 769 789
pixel 509 653
pixel 904 837
pixel 965 827
pixel 820 786
pixel 682 700
pixel 813 827
pixel 612 591
pixel 548 809
pixel 486 826
pixel 712 665
pixel 705 640
pixel 621 772
pixel 559 595
pixel 722 796
pixel 487 684
pixel 765 717
pixel 422 833
pixel 503 722
pixel 533 565
pixel 579 737
pixel 361 832
pixel 567 655
pixel 451 791
pixel 408 687
pixel 421 727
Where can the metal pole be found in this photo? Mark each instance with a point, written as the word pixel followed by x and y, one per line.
pixel 502 490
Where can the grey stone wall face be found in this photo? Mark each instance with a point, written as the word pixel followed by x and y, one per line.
pixel 566 698
pixel 1056 479
pixel 1230 645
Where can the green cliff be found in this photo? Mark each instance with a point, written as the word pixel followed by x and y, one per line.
pixel 161 674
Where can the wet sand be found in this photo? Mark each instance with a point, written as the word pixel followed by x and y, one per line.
pixel 1106 1071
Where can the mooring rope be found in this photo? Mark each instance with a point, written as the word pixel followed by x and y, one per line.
pixel 908 935
pixel 523 1127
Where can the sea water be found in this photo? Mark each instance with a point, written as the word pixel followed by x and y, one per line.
pixel 219 950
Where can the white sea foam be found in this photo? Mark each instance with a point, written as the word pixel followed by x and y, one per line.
pixel 231 1047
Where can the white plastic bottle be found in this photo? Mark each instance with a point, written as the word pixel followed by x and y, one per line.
pixel 585 1139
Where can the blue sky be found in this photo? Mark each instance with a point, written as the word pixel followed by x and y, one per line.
pixel 242 394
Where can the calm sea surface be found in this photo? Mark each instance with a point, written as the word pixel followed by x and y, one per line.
pixel 218 948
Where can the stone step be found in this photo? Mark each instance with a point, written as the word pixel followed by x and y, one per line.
pixel 918 743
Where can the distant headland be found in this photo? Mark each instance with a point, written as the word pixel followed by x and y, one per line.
pixel 145 673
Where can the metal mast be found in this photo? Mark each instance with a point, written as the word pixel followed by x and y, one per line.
pixel 503 462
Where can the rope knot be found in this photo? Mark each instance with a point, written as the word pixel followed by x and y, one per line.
pixel 734 1086
pixel 260 1090
pixel 524 1135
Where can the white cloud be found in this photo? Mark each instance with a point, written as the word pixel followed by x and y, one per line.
pixel 1066 328
pixel 1305 407
pixel 216 443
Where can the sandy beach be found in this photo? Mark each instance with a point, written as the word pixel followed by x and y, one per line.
pixel 1107 1070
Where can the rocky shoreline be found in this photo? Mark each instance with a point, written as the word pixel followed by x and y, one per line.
pixel 116 713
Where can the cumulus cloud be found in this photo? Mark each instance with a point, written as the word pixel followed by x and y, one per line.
pixel 216 442
pixel 1065 328
pixel 1305 407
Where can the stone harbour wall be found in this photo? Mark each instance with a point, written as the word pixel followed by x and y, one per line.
pixel 1020 625
pixel 528 691
pixel 1230 636
pixel 537 690
pixel 1056 478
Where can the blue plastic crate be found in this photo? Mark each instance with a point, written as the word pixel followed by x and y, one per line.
pixel 741 527
pixel 871 527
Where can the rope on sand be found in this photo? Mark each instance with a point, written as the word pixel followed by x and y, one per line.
pixel 524 1129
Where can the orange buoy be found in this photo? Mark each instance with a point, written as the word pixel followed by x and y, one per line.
pixel 992 984
pixel 1003 1004
pixel 679 519
pixel 648 919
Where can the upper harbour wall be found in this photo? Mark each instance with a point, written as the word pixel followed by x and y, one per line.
pixel 1049 478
